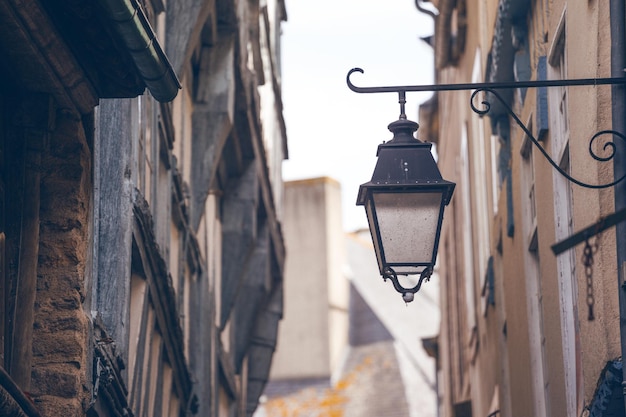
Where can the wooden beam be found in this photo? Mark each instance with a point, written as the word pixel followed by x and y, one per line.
pixel 588 232
pixel 31 123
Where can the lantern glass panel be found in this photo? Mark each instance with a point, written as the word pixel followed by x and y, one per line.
pixel 408 224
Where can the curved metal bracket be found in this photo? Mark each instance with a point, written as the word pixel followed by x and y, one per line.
pixel 474 86
pixel 407 293
pixel 609 147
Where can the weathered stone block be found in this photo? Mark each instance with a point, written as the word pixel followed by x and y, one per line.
pixel 58 347
pixel 51 406
pixel 67 320
pixel 56 253
pixel 61 381
pixel 58 283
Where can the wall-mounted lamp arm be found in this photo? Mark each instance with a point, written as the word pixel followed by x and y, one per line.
pixel 609 147
pixel 387 181
pixel 475 86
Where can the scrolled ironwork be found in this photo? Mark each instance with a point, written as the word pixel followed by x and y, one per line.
pixel 607 144
pixel 390 274
pixel 485 102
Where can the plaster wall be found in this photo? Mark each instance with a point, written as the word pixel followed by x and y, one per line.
pixel 314 328
pixel 572 382
pixel 589 56
pixel 498 350
pixel 338 288
pixel 484 374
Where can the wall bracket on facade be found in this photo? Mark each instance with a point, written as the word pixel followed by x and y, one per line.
pixel 589 232
pixel 488 92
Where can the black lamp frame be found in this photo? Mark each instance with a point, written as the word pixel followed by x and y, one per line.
pixel 405 166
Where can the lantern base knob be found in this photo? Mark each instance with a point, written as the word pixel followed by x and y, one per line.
pixel 408 297
pixel 408 294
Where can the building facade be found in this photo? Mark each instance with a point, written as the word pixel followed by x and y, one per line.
pixel 141 252
pixel 525 332
pixel 315 326
pixel 348 345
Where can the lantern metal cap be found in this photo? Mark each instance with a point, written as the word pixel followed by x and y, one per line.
pixel 403 130
pixel 406 163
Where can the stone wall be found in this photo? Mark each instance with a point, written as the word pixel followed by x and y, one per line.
pixel 60 341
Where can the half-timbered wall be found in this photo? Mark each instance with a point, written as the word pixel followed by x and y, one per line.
pixel 195 298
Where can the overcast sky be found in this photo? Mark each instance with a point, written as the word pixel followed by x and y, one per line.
pixel 331 130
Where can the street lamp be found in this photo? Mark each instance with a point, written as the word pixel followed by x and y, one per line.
pixel 404 203
pixel 406 197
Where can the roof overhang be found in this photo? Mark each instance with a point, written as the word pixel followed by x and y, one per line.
pixel 78 52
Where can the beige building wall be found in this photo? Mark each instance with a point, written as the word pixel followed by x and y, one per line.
pixel 314 328
pixel 515 335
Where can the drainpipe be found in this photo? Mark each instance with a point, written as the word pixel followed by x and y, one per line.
pixel 133 27
pixel 618 107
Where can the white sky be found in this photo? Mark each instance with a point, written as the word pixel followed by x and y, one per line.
pixel 331 130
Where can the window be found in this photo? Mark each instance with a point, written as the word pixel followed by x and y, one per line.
pixel 537 339
pixel 153 140
pixel 457 26
pixel 161 278
pixel 529 207
pixel 566 263
pixel 144 156
pixel 494 149
pixel 479 153
pixel 468 247
pixel 455 307
pixel 150 372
